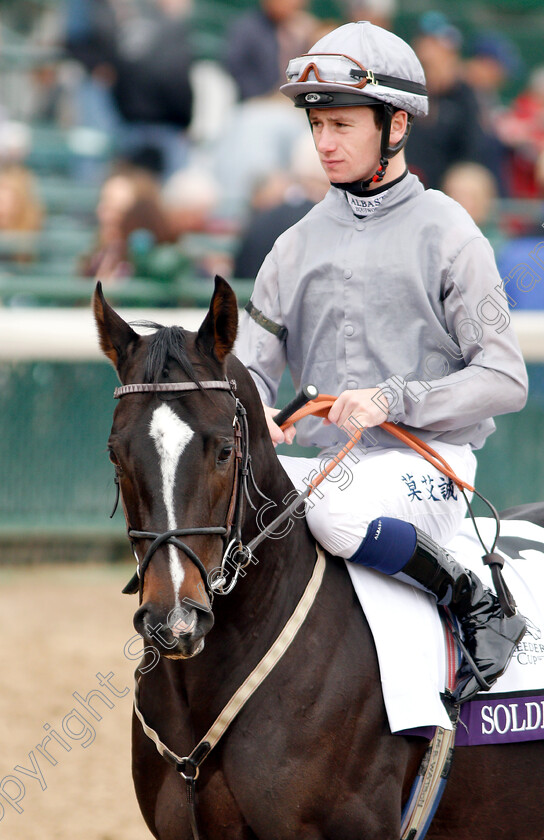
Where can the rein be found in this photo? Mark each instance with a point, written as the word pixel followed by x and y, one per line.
pixel 320 407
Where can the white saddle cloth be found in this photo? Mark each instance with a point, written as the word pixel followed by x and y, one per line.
pixel 408 633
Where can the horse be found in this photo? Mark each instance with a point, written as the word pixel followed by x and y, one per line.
pixel 311 755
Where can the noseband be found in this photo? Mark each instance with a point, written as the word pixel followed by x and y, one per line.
pixel 234 552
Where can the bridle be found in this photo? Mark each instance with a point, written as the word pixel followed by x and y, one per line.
pixel 235 554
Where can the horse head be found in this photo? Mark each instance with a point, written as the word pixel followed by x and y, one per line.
pixel 177 444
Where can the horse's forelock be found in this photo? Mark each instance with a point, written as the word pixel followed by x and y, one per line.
pixel 167 345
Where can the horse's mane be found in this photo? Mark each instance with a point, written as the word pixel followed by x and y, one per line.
pixel 166 345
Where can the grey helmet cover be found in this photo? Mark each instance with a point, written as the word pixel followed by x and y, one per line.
pixel 394 73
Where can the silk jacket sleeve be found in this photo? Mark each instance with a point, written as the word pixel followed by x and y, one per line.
pixel 261 336
pixel 494 379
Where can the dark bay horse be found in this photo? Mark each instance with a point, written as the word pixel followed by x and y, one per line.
pixel 311 756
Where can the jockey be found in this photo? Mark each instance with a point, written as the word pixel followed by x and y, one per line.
pixel 387 295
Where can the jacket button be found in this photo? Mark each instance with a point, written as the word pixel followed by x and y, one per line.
pixel 348 273
pixel 348 329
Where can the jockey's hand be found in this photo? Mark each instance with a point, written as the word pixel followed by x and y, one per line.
pixel 275 432
pixel 363 405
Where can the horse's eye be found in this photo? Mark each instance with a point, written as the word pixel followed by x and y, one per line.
pixel 113 458
pixel 225 453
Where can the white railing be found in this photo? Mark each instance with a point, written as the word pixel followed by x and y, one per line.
pixel 67 334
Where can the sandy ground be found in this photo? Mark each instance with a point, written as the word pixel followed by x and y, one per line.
pixel 61 626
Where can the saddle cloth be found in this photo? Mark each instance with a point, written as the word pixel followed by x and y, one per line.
pixel 410 644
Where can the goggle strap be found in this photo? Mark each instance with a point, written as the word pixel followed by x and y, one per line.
pixel 390 81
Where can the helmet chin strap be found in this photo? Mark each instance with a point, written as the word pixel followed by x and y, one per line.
pixel 378 175
pixel 386 153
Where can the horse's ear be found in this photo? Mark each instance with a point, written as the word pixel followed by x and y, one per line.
pixel 116 337
pixel 217 333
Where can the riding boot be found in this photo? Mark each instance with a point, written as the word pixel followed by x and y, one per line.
pixel 490 637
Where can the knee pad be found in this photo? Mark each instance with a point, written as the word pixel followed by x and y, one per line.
pixel 388 545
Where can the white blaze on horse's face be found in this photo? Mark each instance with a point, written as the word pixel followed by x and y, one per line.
pixel 170 435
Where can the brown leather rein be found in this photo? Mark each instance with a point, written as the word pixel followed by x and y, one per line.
pixel 320 407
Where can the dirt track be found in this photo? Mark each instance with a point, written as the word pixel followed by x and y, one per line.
pixel 60 627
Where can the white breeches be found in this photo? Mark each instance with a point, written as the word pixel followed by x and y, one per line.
pixel 382 482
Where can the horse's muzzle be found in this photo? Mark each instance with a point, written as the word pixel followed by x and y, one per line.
pixel 179 636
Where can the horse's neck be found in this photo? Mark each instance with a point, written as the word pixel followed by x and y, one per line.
pixel 281 566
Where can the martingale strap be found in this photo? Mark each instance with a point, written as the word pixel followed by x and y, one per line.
pixel 188 766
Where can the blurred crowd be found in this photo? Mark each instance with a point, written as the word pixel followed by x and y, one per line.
pixel 200 164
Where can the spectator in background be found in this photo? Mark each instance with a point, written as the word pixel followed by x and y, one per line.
pixel 452 132
pixel 256 141
pixel 90 38
pixel 129 201
pixel 493 60
pixel 378 12
pixel 152 89
pixel 21 211
pixel 539 174
pixel 191 198
pixel 139 56
pixel 521 128
pixel 283 199
pixel 260 135
pixel 475 188
pixel 261 42
pixel 20 208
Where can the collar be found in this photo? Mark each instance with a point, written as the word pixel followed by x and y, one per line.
pixel 365 206
pixel 407 189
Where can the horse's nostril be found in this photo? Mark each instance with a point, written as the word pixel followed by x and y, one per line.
pixel 141 618
pixel 182 622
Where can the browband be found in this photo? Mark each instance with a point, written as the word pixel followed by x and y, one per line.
pixel 152 387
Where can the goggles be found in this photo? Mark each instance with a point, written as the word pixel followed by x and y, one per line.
pixel 334 68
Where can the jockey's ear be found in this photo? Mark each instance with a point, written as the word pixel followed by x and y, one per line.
pixel 117 338
pixel 217 333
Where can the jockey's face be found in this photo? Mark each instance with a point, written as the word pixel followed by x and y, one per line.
pixel 348 141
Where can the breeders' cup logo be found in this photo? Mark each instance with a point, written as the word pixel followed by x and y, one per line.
pixel 530 652
pixel 533 630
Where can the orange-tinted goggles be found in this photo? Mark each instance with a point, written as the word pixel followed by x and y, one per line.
pixel 334 68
